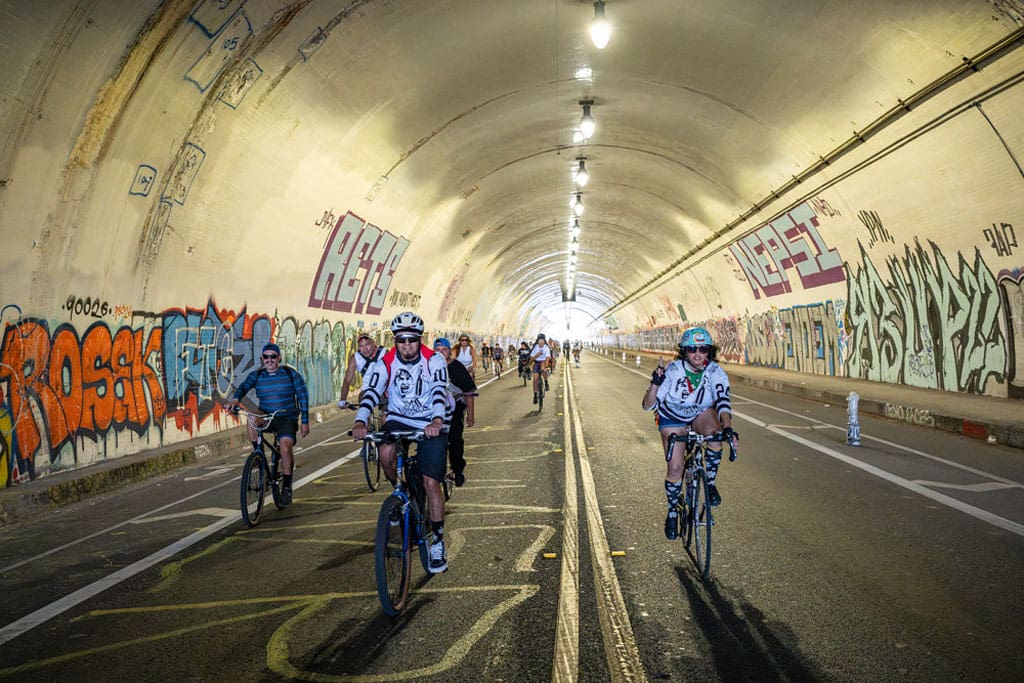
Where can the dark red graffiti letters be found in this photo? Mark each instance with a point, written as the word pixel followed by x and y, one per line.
pixel 790 242
pixel 356 267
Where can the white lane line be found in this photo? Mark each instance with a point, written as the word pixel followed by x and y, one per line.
pixel 620 647
pixel 976 512
pixel 44 614
pixel 137 519
pixel 209 512
pixel 891 444
pixel 973 488
pixel 565 665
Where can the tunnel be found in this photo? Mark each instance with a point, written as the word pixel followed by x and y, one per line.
pixel 829 188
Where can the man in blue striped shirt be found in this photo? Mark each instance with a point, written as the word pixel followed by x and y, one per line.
pixel 278 387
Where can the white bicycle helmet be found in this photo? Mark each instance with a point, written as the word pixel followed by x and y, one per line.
pixel 407 322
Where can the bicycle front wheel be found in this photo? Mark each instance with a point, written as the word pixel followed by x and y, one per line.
pixel 392 557
pixel 371 465
pixel 254 487
pixel 700 524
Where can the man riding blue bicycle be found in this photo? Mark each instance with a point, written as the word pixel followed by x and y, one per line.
pixel 415 381
pixel 691 394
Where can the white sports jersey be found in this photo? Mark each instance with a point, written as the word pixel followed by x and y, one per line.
pixel 539 353
pixel 417 390
pixel 679 401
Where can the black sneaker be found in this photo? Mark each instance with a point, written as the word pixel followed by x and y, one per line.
pixel 460 478
pixel 535 398
pixel 438 558
pixel 286 493
pixel 672 525
pixel 713 496
pixel 546 387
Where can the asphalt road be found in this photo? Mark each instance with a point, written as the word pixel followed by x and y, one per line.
pixel 898 560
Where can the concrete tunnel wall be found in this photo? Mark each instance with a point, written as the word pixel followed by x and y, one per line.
pixel 142 190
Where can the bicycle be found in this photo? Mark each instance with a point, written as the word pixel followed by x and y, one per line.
pixel 257 472
pixel 369 453
pixel 402 523
pixel 541 380
pixel 695 508
pixel 524 372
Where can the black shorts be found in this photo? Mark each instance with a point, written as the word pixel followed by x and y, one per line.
pixel 284 426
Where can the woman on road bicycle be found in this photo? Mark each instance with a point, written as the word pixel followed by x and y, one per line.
pixel 692 393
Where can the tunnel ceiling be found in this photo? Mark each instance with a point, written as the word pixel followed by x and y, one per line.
pixel 451 123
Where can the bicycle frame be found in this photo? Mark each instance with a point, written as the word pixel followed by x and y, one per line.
pixel 695 505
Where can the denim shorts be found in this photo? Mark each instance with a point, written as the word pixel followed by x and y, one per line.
pixel 668 423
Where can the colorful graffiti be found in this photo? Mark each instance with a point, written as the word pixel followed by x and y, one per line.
pixel 1011 291
pixel 59 386
pixel 802 338
pixel 790 242
pixel 70 396
pixel 925 325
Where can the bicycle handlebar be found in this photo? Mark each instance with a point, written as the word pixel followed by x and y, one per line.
pixel 265 417
pixel 393 436
pixel 692 439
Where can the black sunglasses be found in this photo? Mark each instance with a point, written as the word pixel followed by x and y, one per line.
pixel 702 349
pixel 270 356
pixel 406 340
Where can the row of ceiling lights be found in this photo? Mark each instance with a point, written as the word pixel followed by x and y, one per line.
pixel 600 32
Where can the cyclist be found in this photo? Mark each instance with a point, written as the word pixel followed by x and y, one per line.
pixel 367 352
pixel 523 356
pixel 498 356
pixel 691 394
pixel 462 397
pixel 415 380
pixel 278 387
pixel 576 353
pixel 466 354
pixel 540 356
pixel 485 355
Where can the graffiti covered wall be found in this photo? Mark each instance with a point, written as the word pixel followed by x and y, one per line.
pixel 73 393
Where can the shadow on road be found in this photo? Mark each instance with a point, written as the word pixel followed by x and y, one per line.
pixel 745 645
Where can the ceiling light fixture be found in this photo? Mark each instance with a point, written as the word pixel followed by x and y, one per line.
pixel 582 177
pixel 587 123
pixel 577 205
pixel 575 229
pixel 600 29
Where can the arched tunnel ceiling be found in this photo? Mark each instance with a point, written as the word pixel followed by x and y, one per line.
pixel 451 123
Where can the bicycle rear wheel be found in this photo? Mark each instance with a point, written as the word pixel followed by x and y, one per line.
pixel 392 557
pixel 540 396
pixel 254 487
pixel 701 523
pixel 371 464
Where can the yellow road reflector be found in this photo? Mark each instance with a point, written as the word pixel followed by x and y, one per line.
pixel 550 556
pixel 557 450
pixel 618 553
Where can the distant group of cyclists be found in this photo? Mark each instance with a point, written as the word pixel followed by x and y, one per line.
pixel 433 389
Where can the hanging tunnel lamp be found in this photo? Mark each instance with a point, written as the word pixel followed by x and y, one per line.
pixel 587 123
pixel 577 205
pixel 600 29
pixel 582 176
